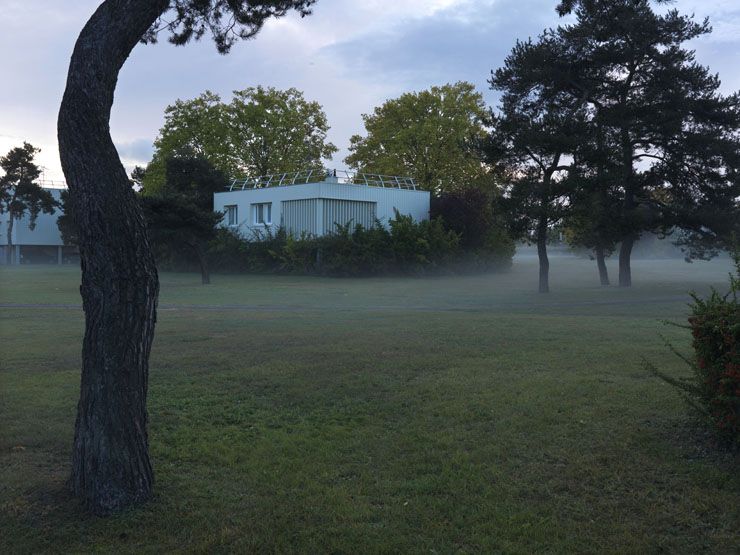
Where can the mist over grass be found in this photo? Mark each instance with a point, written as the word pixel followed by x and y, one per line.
pixel 297 414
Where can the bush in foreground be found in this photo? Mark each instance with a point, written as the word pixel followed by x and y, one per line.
pixel 713 389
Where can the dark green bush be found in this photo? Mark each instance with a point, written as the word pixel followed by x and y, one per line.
pixel 407 247
pixel 713 389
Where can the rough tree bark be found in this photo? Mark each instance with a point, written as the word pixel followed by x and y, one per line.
pixel 110 463
pixel 625 266
pixel 542 254
pixel 601 264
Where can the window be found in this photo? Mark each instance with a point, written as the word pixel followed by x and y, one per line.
pixel 232 217
pixel 263 213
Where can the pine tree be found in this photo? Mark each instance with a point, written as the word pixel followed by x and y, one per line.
pixel 111 468
pixel 20 194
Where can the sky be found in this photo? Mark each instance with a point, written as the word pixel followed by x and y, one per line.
pixel 350 56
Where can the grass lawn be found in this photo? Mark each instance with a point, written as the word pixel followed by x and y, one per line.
pixel 444 415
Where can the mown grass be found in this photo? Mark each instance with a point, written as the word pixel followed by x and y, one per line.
pixel 305 415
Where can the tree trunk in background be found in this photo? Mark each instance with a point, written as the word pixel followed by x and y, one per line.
pixel 9 256
pixel 625 266
pixel 205 274
pixel 601 264
pixel 542 254
pixel 110 463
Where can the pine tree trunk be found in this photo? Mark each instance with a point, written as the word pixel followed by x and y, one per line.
pixel 625 263
pixel 601 264
pixel 110 463
pixel 542 254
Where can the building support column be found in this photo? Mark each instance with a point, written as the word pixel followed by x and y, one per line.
pixel 17 253
pixel 59 255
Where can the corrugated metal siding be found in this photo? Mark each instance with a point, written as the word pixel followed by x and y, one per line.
pixel 300 216
pixel 344 211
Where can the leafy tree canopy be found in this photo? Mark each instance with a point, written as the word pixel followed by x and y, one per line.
pixel 180 215
pixel 20 194
pixel 670 137
pixel 428 135
pixel 261 131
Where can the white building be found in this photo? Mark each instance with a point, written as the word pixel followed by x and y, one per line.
pixel 314 202
pixel 41 245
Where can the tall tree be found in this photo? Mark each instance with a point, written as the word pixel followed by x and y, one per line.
pixel 533 138
pixel 593 193
pixel 19 192
pixel 180 215
pixel 261 131
pixel 428 134
pixel 674 136
pixel 111 468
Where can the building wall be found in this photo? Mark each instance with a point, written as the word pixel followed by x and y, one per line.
pixel 43 244
pixel 356 212
pixel 386 200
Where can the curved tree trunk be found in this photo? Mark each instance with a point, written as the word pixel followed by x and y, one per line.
pixel 110 462
pixel 601 264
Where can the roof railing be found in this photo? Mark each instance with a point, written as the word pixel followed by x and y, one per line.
pixel 318 176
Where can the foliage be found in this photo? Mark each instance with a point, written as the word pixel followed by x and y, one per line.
pixel 261 131
pixel 428 135
pixel 714 388
pixel 20 194
pixel 534 132
pixel 669 138
pixel 65 221
pixel 180 215
pixel 227 20
pixel 406 247
pixel 468 212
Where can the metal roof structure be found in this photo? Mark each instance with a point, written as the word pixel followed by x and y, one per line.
pixel 318 176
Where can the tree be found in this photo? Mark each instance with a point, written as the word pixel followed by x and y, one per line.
pixel 111 468
pixel 66 222
pixel 674 137
pixel 181 213
pixel 468 212
pixel 592 220
pixel 19 192
pixel 429 135
pixel 261 131
pixel 533 136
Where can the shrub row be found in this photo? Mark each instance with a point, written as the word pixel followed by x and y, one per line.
pixel 407 247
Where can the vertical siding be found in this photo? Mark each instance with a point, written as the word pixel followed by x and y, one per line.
pixel 312 220
pixel 299 216
pixel 342 212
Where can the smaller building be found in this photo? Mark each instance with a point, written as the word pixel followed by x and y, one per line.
pixel 314 202
pixel 41 245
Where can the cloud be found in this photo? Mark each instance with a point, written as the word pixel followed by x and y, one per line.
pixel 350 56
pixel 138 151
pixel 463 42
